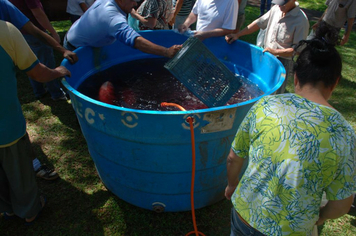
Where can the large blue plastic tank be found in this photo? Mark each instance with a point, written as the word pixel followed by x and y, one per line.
pixel 144 157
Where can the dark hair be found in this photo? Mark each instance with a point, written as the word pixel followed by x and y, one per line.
pixel 317 62
pixel 327 33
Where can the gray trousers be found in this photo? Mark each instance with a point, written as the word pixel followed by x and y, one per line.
pixel 18 187
pixel 240 21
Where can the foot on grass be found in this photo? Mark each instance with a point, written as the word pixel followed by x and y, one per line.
pixel 30 221
pixel 8 216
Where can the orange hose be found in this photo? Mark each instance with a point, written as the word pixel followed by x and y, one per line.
pixel 166 104
pixel 190 120
pixel 197 233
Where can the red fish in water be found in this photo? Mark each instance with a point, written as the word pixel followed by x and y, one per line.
pixel 107 93
pixel 128 97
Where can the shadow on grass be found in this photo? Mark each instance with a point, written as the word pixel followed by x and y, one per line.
pixel 61 109
pixel 352 212
pixel 64 111
pixel 69 211
pixel 345 86
pixel 344 99
pixel 38 153
pixel 210 220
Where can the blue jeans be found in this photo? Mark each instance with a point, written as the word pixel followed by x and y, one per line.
pixel 73 18
pixel 44 54
pixel 179 21
pixel 263 6
pixel 239 228
pixel 67 45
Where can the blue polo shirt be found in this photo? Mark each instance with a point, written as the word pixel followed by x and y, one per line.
pixel 102 24
pixel 9 13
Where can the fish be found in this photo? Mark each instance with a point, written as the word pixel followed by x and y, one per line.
pixel 107 93
pixel 129 97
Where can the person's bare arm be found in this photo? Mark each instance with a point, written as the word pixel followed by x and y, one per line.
pixel 36 32
pixel 234 164
pixel 149 22
pixel 83 6
pixel 345 38
pixel 146 46
pixel 42 18
pixel 190 20
pixel 251 28
pixel 286 52
pixel 318 22
pixel 177 8
pixel 42 73
pixel 334 209
pixel 212 33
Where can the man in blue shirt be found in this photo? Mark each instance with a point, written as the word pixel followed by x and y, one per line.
pixel 105 22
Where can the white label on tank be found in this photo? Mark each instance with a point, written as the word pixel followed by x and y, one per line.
pixel 219 120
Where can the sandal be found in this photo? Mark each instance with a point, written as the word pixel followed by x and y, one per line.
pixel 43 200
pixel 8 216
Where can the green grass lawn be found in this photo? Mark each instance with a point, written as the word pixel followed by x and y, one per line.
pixel 317 5
pixel 79 203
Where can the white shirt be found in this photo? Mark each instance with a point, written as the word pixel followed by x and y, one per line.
pixel 283 32
pixel 213 14
pixel 73 7
pixel 339 11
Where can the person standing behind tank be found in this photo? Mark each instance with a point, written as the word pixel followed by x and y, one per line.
pixel 105 22
pixel 33 10
pixel 19 193
pixel 241 15
pixel 153 14
pixel 76 8
pixel 337 12
pixel 214 18
pixel 265 6
pixel 285 24
pixel 182 9
pixel 9 13
pixel 298 146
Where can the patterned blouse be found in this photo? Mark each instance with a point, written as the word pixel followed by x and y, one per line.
pixel 296 149
pixel 159 9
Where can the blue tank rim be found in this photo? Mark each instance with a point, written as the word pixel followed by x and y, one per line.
pixel 114 107
pixel 212 109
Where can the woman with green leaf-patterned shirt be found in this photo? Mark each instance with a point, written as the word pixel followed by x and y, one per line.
pixel 298 146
